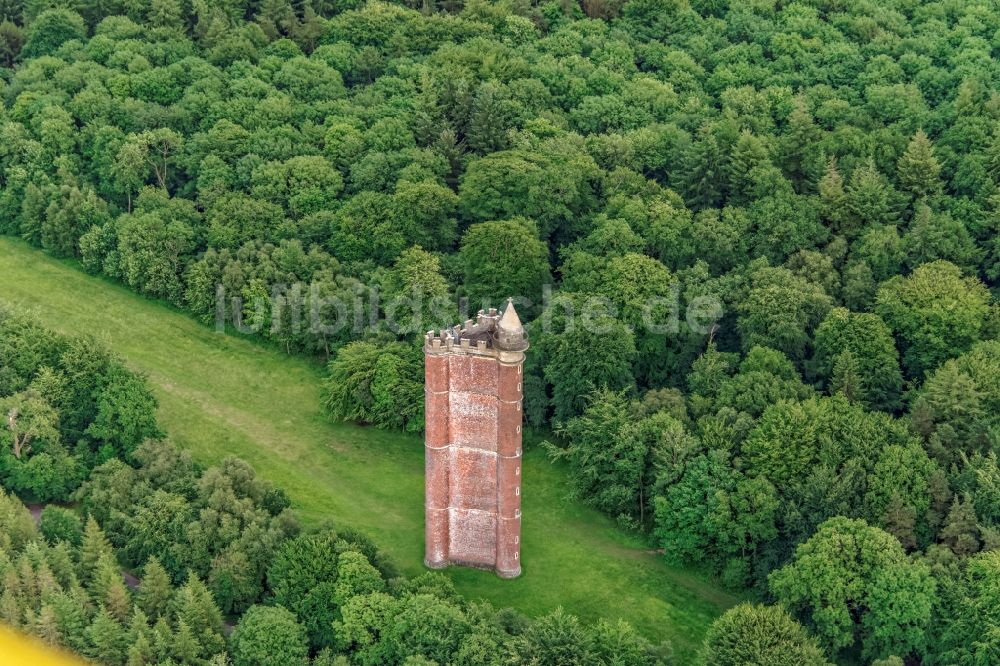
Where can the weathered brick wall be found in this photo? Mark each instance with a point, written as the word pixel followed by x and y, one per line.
pixel 437 453
pixel 473 456
pixel 509 399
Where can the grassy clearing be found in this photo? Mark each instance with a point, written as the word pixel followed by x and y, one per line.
pixel 221 395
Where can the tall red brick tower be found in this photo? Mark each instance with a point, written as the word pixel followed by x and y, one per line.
pixel 473 394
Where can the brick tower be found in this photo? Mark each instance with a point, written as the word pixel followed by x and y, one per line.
pixel 473 395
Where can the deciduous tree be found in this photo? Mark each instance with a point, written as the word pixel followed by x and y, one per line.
pixel 269 636
pixel 756 635
pixel 851 580
pixel 936 312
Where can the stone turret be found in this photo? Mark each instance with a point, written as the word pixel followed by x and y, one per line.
pixel 473 411
pixel 509 334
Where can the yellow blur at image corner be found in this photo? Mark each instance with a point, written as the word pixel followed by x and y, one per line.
pixel 16 649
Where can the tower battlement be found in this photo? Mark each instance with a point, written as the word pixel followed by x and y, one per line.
pixel 487 332
pixel 473 411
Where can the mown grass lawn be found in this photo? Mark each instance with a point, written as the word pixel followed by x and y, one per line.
pixel 220 395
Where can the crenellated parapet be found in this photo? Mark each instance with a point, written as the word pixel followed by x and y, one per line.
pixel 485 335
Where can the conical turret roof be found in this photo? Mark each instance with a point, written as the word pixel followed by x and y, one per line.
pixel 510 321
pixel 510 331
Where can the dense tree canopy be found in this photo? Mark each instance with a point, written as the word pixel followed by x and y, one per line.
pixel 67 405
pixel 759 241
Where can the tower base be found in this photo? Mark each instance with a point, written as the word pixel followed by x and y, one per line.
pixel 437 565
pixel 505 574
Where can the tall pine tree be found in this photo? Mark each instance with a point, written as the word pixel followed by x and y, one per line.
pixel 154 590
pixel 918 170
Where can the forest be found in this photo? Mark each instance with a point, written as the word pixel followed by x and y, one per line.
pixel 826 172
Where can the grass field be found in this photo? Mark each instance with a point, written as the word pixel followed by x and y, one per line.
pixel 221 395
